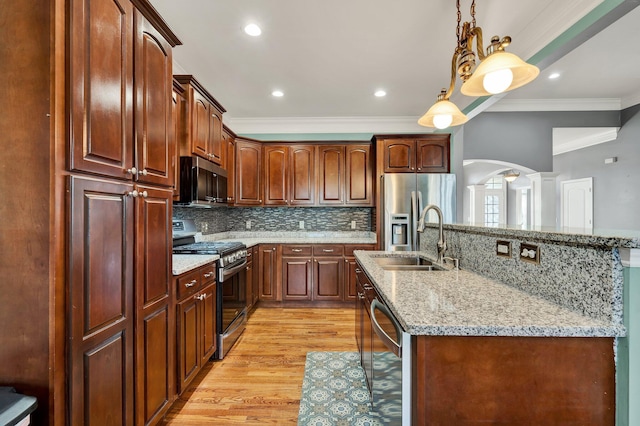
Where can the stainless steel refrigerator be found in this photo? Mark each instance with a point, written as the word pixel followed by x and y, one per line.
pixel 404 196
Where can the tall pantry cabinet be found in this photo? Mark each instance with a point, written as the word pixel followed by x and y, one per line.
pixel 92 312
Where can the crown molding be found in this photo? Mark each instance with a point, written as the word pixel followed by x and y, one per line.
pixel 586 104
pixel 631 100
pixel 566 143
pixel 278 125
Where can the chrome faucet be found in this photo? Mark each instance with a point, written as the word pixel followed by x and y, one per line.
pixel 442 244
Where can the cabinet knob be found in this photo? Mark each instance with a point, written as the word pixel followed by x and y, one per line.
pixel 144 194
pixel 144 172
pixel 190 283
pixel 133 193
pixel 208 275
pixel 132 171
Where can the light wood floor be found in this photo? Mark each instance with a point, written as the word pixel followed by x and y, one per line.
pixel 260 380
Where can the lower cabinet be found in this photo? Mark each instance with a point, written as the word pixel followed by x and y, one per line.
pixel 268 272
pixel 319 272
pixel 196 322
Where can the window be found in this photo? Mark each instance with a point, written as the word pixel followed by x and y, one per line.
pixel 494 202
pixel 491 210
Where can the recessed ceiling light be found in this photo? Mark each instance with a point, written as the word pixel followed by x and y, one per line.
pixel 380 93
pixel 277 93
pixel 253 30
pixel 554 75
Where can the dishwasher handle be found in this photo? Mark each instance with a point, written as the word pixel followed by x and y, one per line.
pixel 389 342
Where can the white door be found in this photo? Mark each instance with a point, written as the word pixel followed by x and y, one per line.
pixel 577 204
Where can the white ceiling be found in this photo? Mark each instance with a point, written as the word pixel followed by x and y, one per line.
pixel 330 56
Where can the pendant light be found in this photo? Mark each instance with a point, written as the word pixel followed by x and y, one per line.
pixel 499 71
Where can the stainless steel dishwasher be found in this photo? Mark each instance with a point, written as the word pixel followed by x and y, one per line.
pixel 391 384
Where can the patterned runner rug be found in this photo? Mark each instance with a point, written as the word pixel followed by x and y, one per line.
pixel 334 392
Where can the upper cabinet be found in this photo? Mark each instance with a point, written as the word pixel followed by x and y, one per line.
pixel 154 132
pixel 415 153
pixel 289 175
pixel 202 134
pixel 229 144
pixel 345 175
pixel 248 173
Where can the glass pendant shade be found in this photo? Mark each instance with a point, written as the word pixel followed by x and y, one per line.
pixel 443 114
pixel 493 72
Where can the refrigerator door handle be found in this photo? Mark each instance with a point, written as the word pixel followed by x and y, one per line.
pixel 414 219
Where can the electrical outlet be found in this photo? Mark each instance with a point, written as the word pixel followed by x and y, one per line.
pixel 529 253
pixel 353 224
pixel 248 224
pixel 503 248
pixel 301 224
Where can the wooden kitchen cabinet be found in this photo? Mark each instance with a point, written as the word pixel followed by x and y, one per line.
pixel 101 301
pixel 196 322
pixel 178 110
pixel 289 175
pixel 345 175
pixel 248 172
pixel 229 140
pixel 155 306
pixel 101 88
pixel 359 175
pixel 202 132
pixel 154 133
pixel 350 268
pixel 297 272
pixel 415 153
pixel 328 272
pixel 268 274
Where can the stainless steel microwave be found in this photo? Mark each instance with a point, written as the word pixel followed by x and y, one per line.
pixel 202 183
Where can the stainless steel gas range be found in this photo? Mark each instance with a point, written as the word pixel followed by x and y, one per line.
pixel 231 300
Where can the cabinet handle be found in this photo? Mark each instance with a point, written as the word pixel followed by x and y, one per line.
pixel 143 172
pixel 296 250
pixel 367 287
pixel 327 250
pixel 191 283
pixel 133 193
pixel 358 270
pixel 144 194
pixel 208 275
pixel 132 171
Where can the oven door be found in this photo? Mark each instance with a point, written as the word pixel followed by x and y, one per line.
pixel 231 307
pixel 389 383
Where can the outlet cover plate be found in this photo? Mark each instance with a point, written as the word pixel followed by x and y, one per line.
pixel 503 248
pixel 529 253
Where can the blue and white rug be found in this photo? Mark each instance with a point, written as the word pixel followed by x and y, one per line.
pixel 334 392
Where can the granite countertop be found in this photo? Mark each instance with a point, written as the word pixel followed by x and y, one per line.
pixel 462 303
pixel 186 262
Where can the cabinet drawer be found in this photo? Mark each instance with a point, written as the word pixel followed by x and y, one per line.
pixel 208 274
pixel 328 250
pixel 189 283
pixel 296 250
pixel 349 248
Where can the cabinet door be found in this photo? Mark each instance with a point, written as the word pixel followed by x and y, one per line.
pixel 155 145
pixel 331 174
pixel 249 279
pixel 359 175
pixel 296 278
pixel 199 124
pixel 231 170
pixel 276 176
pixel 207 307
pixel 268 272
pixel 256 275
pixel 178 109
pixel 248 180
pixel 328 278
pixel 155 317
pixel 399 155
pixel 302 176
pixel 101 304
pixel 350 291
pixel 433 154
pixel 215 136
pixel 188 331
pixel 101 87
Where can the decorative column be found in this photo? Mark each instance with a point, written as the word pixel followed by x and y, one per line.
pixel 543 200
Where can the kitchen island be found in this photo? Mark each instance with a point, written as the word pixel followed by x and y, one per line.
pixel 483 352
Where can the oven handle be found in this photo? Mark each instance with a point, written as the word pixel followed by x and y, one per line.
pixel 388 341
pixel 226 273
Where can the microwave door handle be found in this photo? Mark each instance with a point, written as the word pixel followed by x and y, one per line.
pixel 388 341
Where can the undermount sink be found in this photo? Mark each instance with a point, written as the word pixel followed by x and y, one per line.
pixel 407 263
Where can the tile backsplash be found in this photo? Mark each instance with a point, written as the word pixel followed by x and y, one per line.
pixel 223 219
